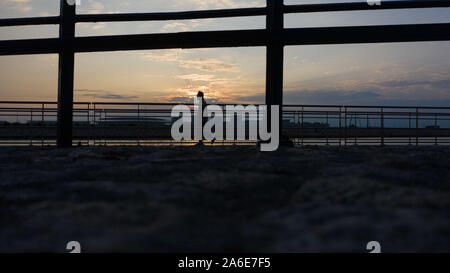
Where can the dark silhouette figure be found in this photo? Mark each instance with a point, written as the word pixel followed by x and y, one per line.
pixel 201 95
pixel 204 119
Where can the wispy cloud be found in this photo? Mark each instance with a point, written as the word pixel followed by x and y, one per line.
pixel 182 26
pixel 104 94
pixel 19 5
pixel 211 4
pixel 180 58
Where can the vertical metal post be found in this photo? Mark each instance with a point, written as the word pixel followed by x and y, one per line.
pixel 327 126
pixel 105 123
pixel 303 124
pixel 66 75
pixel 89 124
pixel 340 126
pixel 382 126
pixel 274 59
pixel 417 126
pixel 409 127
pixel 31 127
pixel 298 127
pixel 356 127
pixel 435 128
pixel 42 124
pixel 95 125
pixel 139 124
pixel 367 124
pixel 345 125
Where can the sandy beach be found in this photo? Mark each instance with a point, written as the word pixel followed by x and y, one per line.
pixel 209 199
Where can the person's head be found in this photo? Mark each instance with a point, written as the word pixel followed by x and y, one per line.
pixel 200 94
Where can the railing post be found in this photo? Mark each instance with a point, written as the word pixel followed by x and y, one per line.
pixel 327 126
pixel 345 125
pixel 356 130
pixel 42 124
pixel 367 124
pixel 435 128
pixel 382 126
pixel 95 125
pixel 417 126
pixel 66 75
pixel 274 59
pixel 340 126
pixel 89 124
pixel 31 127
pixel 409 127
pixel 303 125
pixel 298 127
pixel 105 122
pixel 139 124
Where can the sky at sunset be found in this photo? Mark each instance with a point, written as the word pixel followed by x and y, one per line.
pixel 388 74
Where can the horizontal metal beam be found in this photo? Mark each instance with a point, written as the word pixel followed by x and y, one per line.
pixel 203 39
pixel 162 16
pixel 241 38
pixel 30 21
pixel 306 8
pixel 367 34
pixel 236 38
pixel 34 46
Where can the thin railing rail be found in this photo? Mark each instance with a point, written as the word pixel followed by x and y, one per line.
pixel 224 104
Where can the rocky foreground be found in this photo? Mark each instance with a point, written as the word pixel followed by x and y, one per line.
pixel 184 199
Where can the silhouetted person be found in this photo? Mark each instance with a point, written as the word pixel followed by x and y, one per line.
pixel 204 119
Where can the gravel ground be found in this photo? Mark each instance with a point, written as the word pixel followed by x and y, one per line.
pixel 204 199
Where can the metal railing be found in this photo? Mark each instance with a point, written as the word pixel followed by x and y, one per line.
pixel 109 123
pixel 274 37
